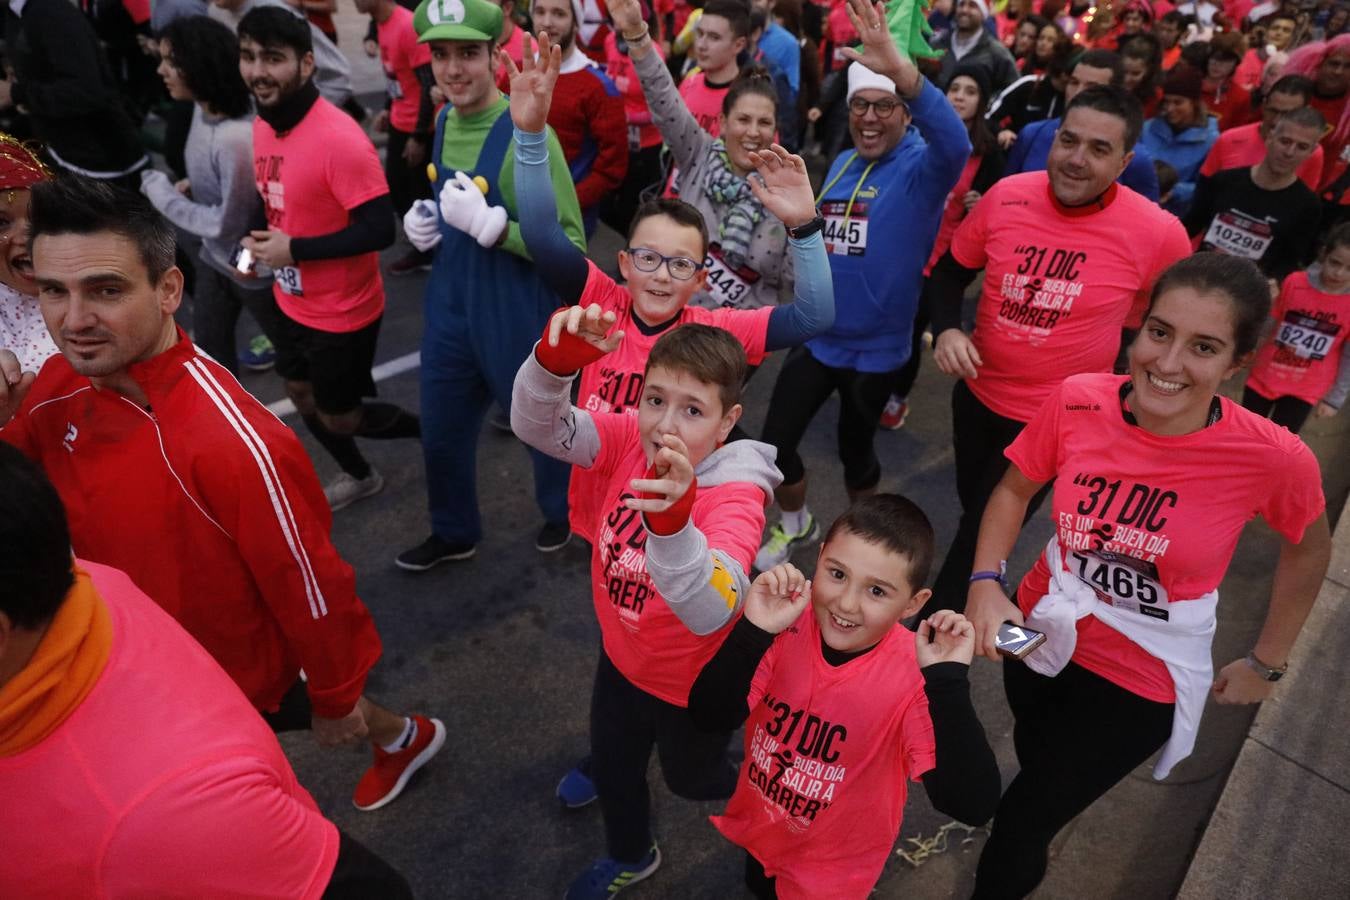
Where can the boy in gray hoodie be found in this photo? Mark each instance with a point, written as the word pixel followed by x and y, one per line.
pixel 679 521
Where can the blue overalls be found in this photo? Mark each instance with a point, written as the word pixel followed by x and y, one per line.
pixel 483 311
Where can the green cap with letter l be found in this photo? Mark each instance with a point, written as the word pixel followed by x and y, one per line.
pixel 457 20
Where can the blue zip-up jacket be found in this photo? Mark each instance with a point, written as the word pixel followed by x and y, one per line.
pixel 1184 152
pixel 1032 150
pixel 880 223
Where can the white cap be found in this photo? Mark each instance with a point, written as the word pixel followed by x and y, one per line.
pixel 983 5
pixel 861 78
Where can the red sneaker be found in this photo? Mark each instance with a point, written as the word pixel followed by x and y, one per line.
pixel 388 775
pixel 894 415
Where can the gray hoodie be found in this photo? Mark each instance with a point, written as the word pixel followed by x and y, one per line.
pixel 682 565
pixel 332 72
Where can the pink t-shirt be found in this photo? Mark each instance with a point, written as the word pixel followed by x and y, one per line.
pixel 402 55
pixel 614 382
pixel 1148 520
pixel 163 782
pixel 704 102
pixel 1059 284
pixel 642 637
pixel 1238 148
pixel 310 179
pixel 1304 352
pixel 829 751
pixel 514 48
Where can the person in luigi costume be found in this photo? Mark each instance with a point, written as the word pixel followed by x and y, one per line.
pixel 485 306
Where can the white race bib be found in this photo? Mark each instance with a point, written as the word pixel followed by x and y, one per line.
pixel 1123 581
pixel 392 87
pixel 726 285
pixel 1306 337
pixel 845 230
pixel 288 279
pixel 1239 235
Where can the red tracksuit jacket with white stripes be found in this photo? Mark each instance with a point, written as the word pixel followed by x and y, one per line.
pixel 213 508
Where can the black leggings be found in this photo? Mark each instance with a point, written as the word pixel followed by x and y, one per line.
pixel 1076 736
pixel 626 722
pixel 979 437
pixel 760 885
pixel 360 873
pixel 1290 412
pixel 804 384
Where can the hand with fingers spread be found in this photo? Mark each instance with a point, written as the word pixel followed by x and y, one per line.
pixel 777 597
pixel 668 479
pixel 781 185
pixel 532 84
pixel 945 636
pixel 987 608
pixel 13 386
pixel 626 15
pixel 955 354
pixel 879 53
pixel 575 337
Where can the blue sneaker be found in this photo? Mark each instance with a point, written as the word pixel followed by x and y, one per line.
pixel 607 877
pixel 576 788
pixel 260 355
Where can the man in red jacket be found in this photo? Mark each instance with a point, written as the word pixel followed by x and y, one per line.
pixel 587 111
pixel 144 435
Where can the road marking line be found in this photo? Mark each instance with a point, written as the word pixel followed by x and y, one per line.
pixel 283 408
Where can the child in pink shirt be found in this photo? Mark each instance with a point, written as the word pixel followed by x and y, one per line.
pixel 843 707
pixel 1303 368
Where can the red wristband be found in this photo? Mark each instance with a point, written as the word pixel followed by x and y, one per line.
pixel 664 524
pixel 570 356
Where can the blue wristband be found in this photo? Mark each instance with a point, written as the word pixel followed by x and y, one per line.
pixel 1000 576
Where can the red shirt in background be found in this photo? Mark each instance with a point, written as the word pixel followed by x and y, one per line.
pixel 1230 103
pixel 402 55
pixel 1174 505
pixel 953 212
pixel 514 47
pixel 587 114
pixel 829 752
pixel 704 100
pixel 1243 146
pixel 1059 284
pixel 1304 351
pixel 162 782
pixel 642 133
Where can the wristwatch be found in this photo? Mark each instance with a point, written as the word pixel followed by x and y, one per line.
pixel 810 228
pixel 1264 670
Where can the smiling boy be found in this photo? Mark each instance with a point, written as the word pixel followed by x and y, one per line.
pixel 679 521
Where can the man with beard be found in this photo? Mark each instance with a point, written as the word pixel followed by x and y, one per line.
pixel 587 111
pixel 970 43
pixel 328 216
pixel 1060 282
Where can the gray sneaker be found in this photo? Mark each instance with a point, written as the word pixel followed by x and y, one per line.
pixel 345 490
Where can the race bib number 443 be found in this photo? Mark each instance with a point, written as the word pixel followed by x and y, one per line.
pixel 727 285
pixel 845 230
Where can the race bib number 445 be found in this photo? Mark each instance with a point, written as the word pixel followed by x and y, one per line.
pixel 845 230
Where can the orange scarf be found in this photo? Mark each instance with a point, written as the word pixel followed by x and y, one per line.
pixel 61 673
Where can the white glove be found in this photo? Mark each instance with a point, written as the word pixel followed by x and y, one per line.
pixel 422 225
pixel 464 207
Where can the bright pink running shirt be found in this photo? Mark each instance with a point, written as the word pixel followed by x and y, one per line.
pixel 642 637
pixel 1059 284
pixel 1149 520
pixel 310 179
pixel 401 55
pixel 704 101
pixel 614 382
pixel 163 782
pixel 829 752
pixel 1304 351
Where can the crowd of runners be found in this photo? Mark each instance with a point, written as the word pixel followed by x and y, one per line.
pixel 1090 217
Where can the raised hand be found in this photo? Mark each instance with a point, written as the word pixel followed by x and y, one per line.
pixel 782 185
pixel 626 15
pixel 589 323
pixel 880 54
pixel 532 83
pixel 777 598
pixel 673 475
pixel 945 636
pixel 14 385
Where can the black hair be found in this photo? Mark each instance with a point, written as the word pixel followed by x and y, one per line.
pixel 1114 101
pixel 1338 236
pixel 894 523
pixel 1173 17
pixel 1236 278
pixel 736 12
pixel 982 138
pixel 1299 85
pixel 1103 59
pixel 678 211
pixel 753 79
pixel 36 568
pixel 1146 49
pixel 206 52
pixel 711 355
pixel 275 26
pixel 1195 54
pixel 73 204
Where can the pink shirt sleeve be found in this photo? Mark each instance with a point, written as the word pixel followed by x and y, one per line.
pixel 750 326
pixel 734 523
pixel 618 432
pixel 1035 452
pixel 1297 500
pixel 968 243
pixel 601 289
pixel 356 177
pixel 227 828
pixel 918 747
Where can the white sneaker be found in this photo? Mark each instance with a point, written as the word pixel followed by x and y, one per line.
pixel 778 548
pixel 345 490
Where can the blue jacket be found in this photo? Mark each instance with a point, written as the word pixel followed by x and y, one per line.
pixel 881 219
pixel 1032 149
pixel 1184 152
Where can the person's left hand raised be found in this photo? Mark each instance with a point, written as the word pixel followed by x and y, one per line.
pixel 532 83
pixel 781 185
